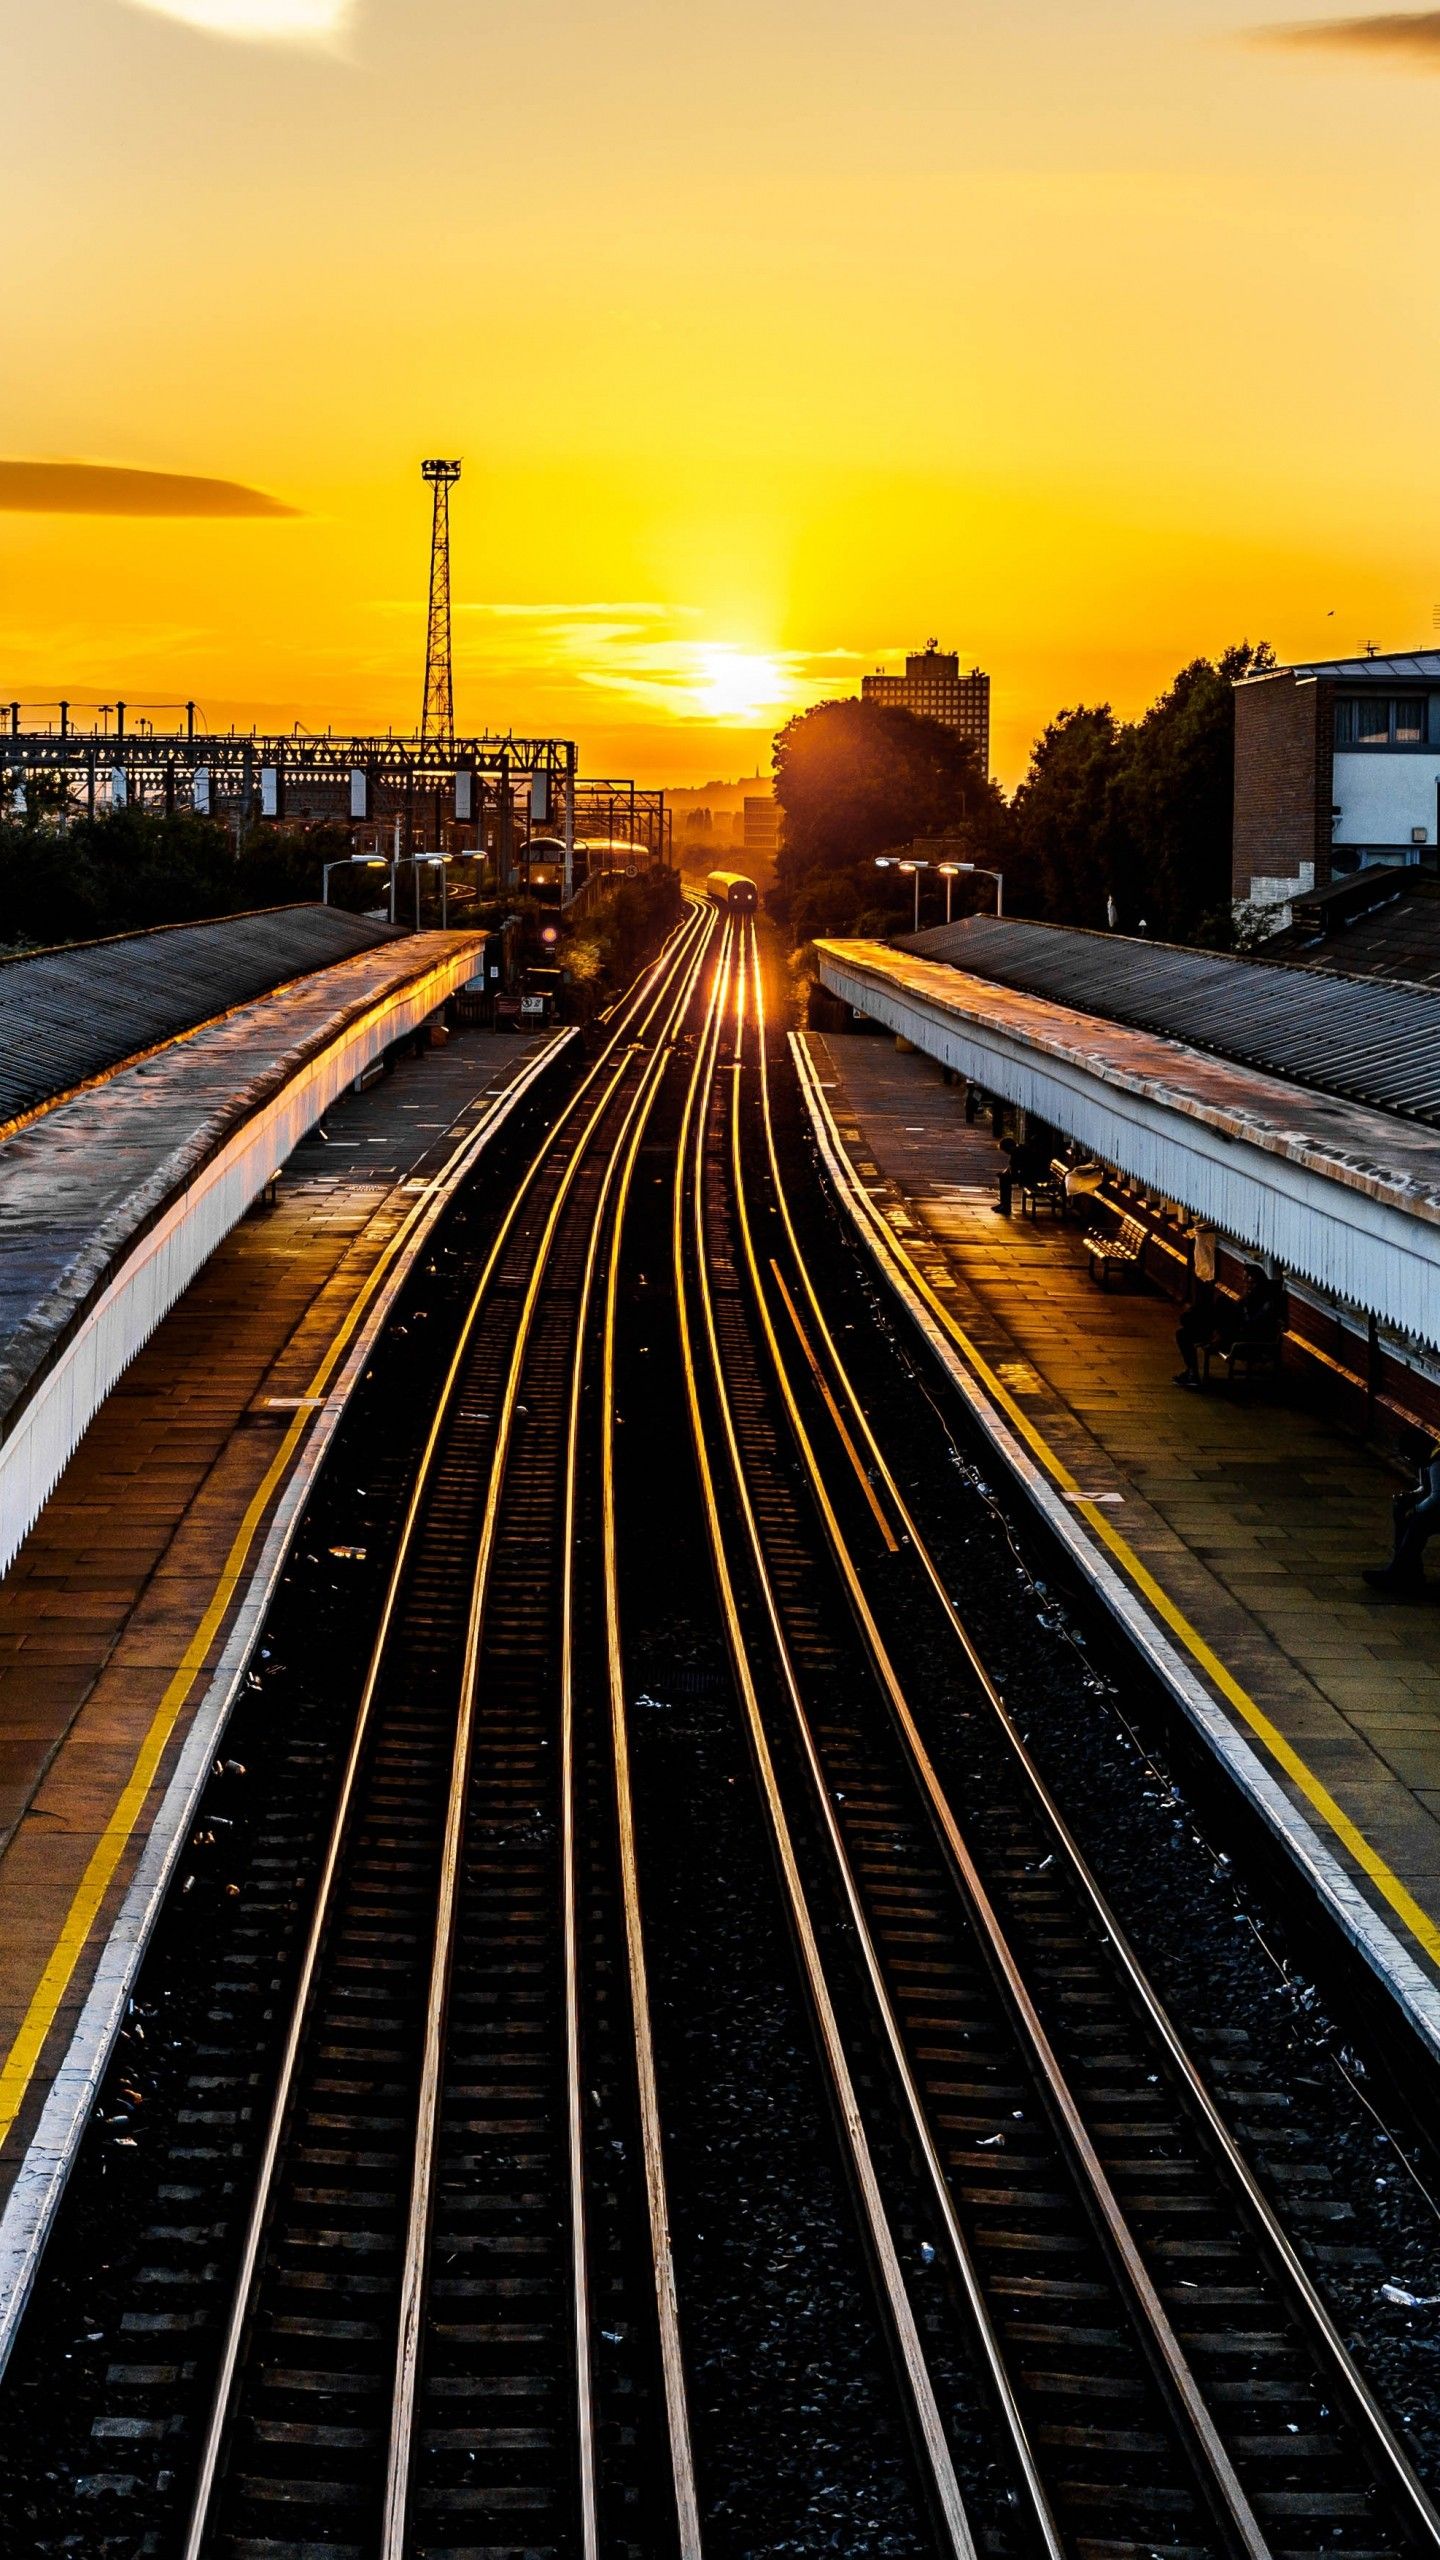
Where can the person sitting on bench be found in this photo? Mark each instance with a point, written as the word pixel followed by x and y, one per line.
pixel 1417 1517
pixel 1259 1318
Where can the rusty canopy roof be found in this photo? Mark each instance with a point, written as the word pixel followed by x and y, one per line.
pixel 1371 1040
pixel 69 1014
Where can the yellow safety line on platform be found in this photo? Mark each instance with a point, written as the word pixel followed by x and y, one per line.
pixel 1402 1902
pixel 29 2044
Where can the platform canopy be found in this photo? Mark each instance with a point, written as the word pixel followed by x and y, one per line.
pixel 1375 1041
pixel 69 1014
pixel 1343 1194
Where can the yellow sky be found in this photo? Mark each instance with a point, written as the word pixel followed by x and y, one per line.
pixel 1085 334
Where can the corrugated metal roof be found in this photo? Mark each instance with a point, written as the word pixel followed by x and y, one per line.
pixel 68 1015
pixel 1369 1040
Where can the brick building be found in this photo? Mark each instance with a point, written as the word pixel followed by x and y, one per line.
pixel 933 687
pixel 1337 765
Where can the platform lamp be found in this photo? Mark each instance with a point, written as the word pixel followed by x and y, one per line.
pixel 349 862
pixel 986 873
pixel 947 871
pixel 427 861
pixel 888 862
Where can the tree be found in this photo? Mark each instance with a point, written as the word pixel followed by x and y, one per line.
pixel 1067 840
pixel 1138 812
pixel 857 779
pixel 128 868
pixel 1175 799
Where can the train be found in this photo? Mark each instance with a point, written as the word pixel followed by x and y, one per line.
pixel 541 863
pixel 735 890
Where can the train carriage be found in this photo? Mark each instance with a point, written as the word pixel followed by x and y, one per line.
pixel 733 889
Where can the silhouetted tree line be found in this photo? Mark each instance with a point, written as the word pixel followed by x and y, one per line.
pixel 128 868
pixel 1137 813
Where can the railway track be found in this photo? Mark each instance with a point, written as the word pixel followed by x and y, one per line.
pixel 1157 2365
pixel 410 2358
pixel 417 2294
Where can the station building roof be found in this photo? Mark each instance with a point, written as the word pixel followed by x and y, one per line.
pixel 70 1014
pixel 1409 666
pixel 1373 1042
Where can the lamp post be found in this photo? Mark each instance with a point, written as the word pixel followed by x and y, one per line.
pixel 427 861
pixel 947 871
pixel 985 872
pixel 350 862
pixel 888 862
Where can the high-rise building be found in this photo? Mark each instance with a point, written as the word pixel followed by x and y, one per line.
pixel 933 687
pixel 762 828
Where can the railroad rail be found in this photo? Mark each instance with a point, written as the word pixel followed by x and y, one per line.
pixel 452 2316
pixel 1160 2366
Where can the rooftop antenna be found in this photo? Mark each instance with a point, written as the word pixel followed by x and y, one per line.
pixel 437 720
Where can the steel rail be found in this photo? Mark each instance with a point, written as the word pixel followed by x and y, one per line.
pixel 395 2506
pixel 636 1123
pixel 960 2252
pixel 1391 2462
pixel 659 971
pixel 943 2484
pixel 1216 2473
pixel 662 2252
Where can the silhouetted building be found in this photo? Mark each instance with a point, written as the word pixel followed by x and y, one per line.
pixel 762 828
pixel 933 687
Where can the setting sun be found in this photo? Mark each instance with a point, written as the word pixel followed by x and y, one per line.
pixel 732 684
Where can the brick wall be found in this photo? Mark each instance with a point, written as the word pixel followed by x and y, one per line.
pixel 1282 781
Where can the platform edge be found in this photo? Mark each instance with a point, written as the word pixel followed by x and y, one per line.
pixel 1371 1937
pixel 34 2199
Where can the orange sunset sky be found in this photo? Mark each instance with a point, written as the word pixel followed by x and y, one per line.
pixel 1085 334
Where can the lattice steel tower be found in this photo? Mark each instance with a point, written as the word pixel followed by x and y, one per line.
pixel 437 720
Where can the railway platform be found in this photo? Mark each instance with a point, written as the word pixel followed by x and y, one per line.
pixel 1236 1524
pixel 130 1607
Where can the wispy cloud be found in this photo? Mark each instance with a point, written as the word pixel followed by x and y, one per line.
pixel 1401 35
pixel 259 21
pixel 593 610
pixel 97 489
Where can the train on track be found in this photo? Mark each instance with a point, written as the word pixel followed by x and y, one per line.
pixel 733 889
pixel 542 863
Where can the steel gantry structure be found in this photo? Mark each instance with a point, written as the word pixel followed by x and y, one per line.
pixel 483 795
pixel 610 810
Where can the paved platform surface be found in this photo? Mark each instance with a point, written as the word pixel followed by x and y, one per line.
pixel 100 1611
pixel 1251 1510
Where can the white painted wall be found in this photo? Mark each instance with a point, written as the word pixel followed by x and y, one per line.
pixel 1381 797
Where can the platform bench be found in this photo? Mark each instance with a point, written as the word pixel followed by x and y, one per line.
pixel 1118 1252
pixel 1258 1357
pixel 1044 1191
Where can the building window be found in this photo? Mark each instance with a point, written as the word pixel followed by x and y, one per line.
pixel 1375 720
